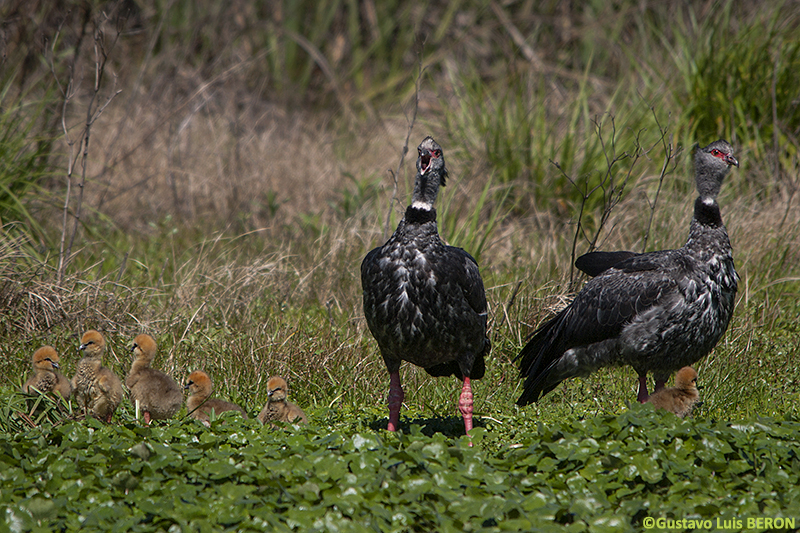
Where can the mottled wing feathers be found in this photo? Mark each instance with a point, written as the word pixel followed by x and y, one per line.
pixel 471 282
pixel 425 302
pixel 609 302
pixel 376 283
pixel 536 354
pixel 475 295
pixel 462 268
pixel 663 260
pixel 453 368
pixel 370 263
pixel 595 263
pixel 599 312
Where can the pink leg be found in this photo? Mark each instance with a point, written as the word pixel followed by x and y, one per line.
pixel 659 385
pixel 465 404
pixel 147 417
pixel 395 401
pixel 643 394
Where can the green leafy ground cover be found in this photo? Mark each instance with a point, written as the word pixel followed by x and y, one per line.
pixel 234 185
pixel 604 473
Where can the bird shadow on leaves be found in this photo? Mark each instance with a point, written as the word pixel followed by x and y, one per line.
pixel 449 426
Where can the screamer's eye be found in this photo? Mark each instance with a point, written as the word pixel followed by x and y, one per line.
pixel 716 153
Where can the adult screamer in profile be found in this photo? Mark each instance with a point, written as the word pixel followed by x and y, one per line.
pixel 423 300
pixel 657 311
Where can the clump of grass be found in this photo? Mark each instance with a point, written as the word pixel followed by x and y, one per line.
pixel 24 166
pixel 20 412
pixel 738 77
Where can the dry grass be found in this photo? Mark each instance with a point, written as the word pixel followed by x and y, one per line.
pixel 286 300
pixel 232 229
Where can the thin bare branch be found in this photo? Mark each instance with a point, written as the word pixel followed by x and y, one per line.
pixel 67 92
pixel 411 123
pixel 669 158
pixel 93 112
pixel 586 194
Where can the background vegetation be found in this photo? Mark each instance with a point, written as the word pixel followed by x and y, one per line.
pixel 213 174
